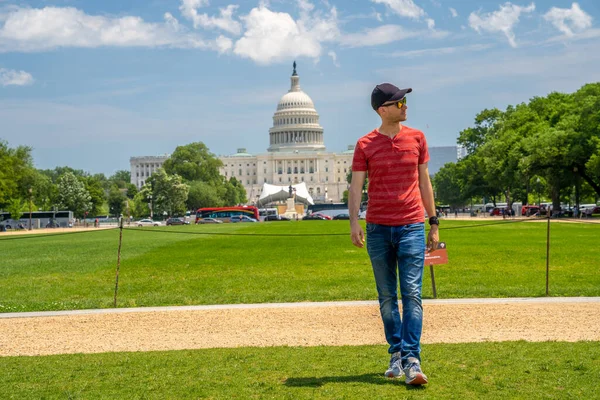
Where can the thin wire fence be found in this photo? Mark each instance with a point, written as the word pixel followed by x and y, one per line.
pixel 443 228
pixel 285 234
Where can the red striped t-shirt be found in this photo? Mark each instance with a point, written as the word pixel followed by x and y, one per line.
pixel 392 166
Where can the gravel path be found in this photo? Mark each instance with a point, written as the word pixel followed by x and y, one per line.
pixel 311 324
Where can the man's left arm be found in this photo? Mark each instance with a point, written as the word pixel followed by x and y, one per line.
pixel 429 203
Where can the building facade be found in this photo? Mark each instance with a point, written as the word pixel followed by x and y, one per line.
pixel 142 168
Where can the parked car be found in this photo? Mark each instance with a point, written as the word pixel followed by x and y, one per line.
pixel 147 222
pixel 276 218
pixel 241 218
pixel 177 221
pixel 209 221
pixel 342 216
pixel 314 217
pixel 324 216
pixel 528 210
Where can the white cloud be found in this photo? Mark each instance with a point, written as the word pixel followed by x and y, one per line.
pixel 225 22
pixel 404 8
pixel 305 6
pixel 376 36
pixel 559 17
pixel 430 23
pixel 440 51
pixel 571 66
pixel 16 78
pixel 453 12
pixel 275 36
pixel 224 44
pixel 333 56
pixel 189 8
pixel 502 20
pixel 587 34
pixel 38 29
pixel 171 21
pixel 385 34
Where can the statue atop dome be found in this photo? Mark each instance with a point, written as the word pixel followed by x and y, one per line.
pixel 294 74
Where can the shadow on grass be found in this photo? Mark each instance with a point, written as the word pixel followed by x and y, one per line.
pixel 374 379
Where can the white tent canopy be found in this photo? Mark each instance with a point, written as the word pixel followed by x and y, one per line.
pixel 273 193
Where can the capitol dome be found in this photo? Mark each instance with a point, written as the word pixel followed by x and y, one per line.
pixel 296 122
pixel 295 100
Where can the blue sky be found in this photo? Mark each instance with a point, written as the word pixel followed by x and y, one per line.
pixel 91 83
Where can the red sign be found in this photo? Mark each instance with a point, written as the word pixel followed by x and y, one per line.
pixel 437 256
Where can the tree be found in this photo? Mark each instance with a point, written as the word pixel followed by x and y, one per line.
pixel 584 147
pixel 194 162
pixel 72 195
pixel 203 194
pixel 57 172
pixel 116 201
pixel 504 153
pixel 45 193
pixel 593 165
pixel 131 190
pixel 16 173
pixel 234 192
pixel 169 193
pixel 485 127
pixel 120 178
pixel 447 186
pixel 139 206
pixel 16 207
pixel 93 185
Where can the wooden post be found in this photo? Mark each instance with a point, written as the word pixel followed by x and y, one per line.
pixel 548 255
pixel 118 260
pixel 433 281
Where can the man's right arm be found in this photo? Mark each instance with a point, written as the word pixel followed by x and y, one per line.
pixel 354 198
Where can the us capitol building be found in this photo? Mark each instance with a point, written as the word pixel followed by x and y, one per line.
pixel 296 155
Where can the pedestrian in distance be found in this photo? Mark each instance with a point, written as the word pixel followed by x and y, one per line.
pixel 394 157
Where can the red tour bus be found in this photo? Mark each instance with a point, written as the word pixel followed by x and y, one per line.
pixel 225 213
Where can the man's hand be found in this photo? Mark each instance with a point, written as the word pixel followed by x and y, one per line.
pixel 357 234
pixel 433 238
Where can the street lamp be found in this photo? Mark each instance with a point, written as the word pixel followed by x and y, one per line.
pixel 30 191
pixel 538 190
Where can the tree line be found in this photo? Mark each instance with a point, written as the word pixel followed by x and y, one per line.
pixel 189 180
pixel 548 148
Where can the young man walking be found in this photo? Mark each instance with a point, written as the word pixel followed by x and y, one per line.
pixel 394 157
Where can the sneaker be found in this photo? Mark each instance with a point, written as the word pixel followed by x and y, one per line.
pixel 414 375
pixel 395 368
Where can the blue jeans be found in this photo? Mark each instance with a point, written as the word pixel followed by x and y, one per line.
pixel 399 250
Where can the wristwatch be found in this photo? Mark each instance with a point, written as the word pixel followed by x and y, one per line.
pixel 434 221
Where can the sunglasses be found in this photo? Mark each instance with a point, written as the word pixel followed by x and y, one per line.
pixel 398 103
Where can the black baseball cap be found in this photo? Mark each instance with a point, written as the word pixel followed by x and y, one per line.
pixel 386 92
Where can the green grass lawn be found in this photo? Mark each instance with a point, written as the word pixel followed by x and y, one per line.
pixel 77 271
pixel 507 370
